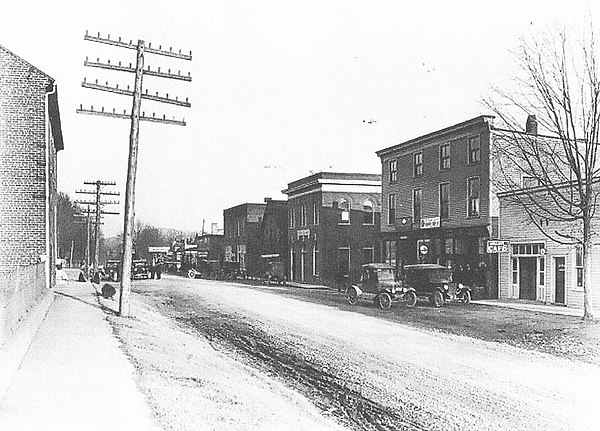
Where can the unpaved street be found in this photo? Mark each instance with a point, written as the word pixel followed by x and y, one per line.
pixel 363 372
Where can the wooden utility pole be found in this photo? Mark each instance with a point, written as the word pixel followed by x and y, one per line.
pixel 135 117
pixel 98 203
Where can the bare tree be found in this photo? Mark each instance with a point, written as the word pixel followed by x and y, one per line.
pixel 559 83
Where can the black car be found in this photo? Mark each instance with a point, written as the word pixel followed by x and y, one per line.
pixel 435 283
pixel 140 269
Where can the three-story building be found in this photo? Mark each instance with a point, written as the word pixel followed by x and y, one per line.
pixel 438 204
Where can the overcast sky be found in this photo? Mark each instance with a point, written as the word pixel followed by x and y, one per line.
pixel 280 89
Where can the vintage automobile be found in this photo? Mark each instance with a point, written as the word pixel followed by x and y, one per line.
pixel 378 282
pixel 140 269
pixel 275 272
pixel 434 282
pixel 112 269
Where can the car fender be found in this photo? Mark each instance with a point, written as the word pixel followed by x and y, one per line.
pixel 356 289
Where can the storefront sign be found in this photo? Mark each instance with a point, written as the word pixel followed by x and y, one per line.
pixel 303 233
pixel 495 246
pixel 430 222
pixel 158 249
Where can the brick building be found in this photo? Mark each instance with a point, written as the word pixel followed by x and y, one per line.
pixel 273 234
pixel 333 226
pixel 242 236
pixel 438 204
pixel 30 137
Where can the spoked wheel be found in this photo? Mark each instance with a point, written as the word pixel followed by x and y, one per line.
pixel 352 297
pixel 384 300
pixel 191 273
pixel 410 298
pixel 465 297
pixel 437 299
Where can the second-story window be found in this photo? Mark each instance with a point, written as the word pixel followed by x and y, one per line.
pixel 474 149
pixel 391 208
pixel 417 198
pixel 291 218
pixel 417 164
pixel 345 215
pixel 315 214
pixel 444 157
pixel 444 201
pixel 368 212
pixel 393 170
pixel 473 192
pixel 303 215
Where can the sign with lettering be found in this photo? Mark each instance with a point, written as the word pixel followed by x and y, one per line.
pixel 303 233
pixel 430 222
pixel 496 246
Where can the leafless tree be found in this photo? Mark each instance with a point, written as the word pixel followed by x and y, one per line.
pixel 557 154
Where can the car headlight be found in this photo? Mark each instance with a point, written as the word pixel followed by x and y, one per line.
pixel 460 285
pixel 446 287
pixel 393 290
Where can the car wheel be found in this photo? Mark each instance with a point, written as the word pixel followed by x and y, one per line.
pixel 411 299
pixel 437 299
pixel 191 273
pixel 465 297
pixel 384 300
pixel 352 297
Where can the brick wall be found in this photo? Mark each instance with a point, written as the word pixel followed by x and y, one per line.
pixel 23 146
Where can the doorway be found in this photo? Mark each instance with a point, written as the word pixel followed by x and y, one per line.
pixel 559 280
pixel 527 278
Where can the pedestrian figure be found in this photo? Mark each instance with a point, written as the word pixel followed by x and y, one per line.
pixel 152 268
pixel 158 269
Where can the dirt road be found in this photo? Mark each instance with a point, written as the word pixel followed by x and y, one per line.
pixel 368 373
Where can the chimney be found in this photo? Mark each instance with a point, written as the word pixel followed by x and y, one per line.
pixel 531 125
pixel 268 200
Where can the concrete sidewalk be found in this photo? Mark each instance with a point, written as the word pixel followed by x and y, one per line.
pixel 74 375
pixel 527 306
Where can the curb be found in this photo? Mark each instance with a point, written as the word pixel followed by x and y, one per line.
pixel 14 351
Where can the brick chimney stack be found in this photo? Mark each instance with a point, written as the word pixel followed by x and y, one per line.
pixel 531 126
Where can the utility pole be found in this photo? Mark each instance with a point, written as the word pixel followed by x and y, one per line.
pixel 98 203
pixel 135 117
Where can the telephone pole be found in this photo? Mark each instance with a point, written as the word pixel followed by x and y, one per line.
pixel 135 117
pixel 98 203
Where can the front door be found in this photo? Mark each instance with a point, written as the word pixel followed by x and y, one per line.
pixel 527 277
pixel 559 280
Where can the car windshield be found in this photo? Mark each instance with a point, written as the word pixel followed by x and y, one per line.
pixel 386 275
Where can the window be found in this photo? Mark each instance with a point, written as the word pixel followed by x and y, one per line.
pixel 291 218
pixel 390 252
pixel 515 270
pixel 344 261
pixel 417 195
pixel 449 246
pixel 529 182
pixel 417 164
pixel 474 149
pixel 391 208
pixel 315 256
pixel 368 255
pixel 579 265
pixel 444 201
pixel 368 212
pixel 473 197
pixel 542 270
pixel 315 214
pixel 444 157
pixel 393 170
pixel 303 215
pixel 345 215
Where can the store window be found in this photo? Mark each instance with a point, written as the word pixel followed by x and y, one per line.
pixel 368 254
pixel 315 214
pixel 515 270
pixel 542 270
pixel 444 201
pixel 315 259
